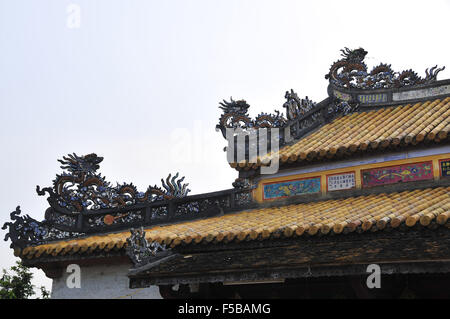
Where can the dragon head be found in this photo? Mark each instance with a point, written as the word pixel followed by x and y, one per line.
pixel 356 55
pixel 77 164
pixel 239 107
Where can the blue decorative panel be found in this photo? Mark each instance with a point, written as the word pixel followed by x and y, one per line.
pixel 291 188
pixel 445 167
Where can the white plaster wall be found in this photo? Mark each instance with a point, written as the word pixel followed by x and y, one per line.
pixel 102 282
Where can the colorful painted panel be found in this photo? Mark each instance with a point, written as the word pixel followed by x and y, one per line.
pixel 396 174
pixel 445 167
pixel 372 98
pixel 340 181
pixel 419 94
pixel 292 188
pixel 342 96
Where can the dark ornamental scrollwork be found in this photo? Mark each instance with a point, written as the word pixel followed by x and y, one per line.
pixel 337 107
pixel 140 250
pixel 296 107
pixel 244 186
pixel 24 230
pixel 82 188
pixel 302 114
pixel 302 111
pixel 352 72
pixel 235 115
pixel 115 219
pixel 267 120
pixel 243 198
pixel 243 183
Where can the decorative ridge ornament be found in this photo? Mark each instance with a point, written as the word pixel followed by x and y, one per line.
pixel 82 203
pixel 296 107
pixel 81 188
pixel 351 72
pixel 235 114
pixel 243 183
pixel 140 250
pixel 24 230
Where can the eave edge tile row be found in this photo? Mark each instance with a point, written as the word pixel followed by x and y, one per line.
pixel 408 124
pixel 428 207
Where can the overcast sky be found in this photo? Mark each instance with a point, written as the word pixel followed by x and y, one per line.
pixel 138 82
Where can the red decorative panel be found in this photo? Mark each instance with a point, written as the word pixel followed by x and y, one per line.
pixel 396 174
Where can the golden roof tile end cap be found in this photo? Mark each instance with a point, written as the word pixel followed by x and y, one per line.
pixel 442 218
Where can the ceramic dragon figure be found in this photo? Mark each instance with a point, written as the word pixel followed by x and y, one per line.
pixel 23 229
pixel 81 187
pixel 139 249
pixel 352 72
pixel 235 114
pixel 296 107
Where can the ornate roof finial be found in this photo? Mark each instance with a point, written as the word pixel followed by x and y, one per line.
pixel 351 72
pixel 82 188
pixel 139 249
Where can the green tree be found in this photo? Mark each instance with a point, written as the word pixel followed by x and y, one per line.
pixel 18 285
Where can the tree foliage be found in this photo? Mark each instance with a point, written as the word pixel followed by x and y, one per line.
pixel 18 284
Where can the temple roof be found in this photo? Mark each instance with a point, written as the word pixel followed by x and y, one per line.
pixel 359 214
pixel 364 111
pixel 408 124
pixel 380 110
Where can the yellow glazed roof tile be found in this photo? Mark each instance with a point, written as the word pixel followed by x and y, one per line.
pixel 407 124
pixel 371 212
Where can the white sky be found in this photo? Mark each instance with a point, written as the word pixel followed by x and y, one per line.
pixel 139 82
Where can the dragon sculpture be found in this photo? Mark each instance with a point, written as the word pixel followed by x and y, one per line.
pixel 235 114
pixel 296 107
pixel 82 188
pixel 23 229
pixel 352 72
pixel 139 249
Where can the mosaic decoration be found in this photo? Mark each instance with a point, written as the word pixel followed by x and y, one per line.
pixel 235 113
pixel 445 167
pixel 82 202
pixel 292 188
pixel 397 174
pixel 81 188
pixel 422 93
pixel 340 181
pixel 140 250
pixel 296 107
pixel 23 230
pixel 115 219
pixel 342 96
pixel 243 183
pixel 372 98
pixel 352 72
pixel 341 107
